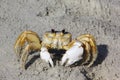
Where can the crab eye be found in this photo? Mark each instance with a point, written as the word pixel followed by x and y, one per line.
pixel 52 30
pixel 63 31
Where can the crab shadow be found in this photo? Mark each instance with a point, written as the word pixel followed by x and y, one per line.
pixel 58 54
pixel 102 54
pixel 55 54
pixel 33 59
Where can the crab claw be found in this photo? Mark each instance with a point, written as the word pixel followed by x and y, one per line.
pixel 45 55
pixel 73 54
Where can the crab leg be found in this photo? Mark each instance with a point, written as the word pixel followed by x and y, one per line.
pixel 26 36
pixel 31 41
pixel 90 48
pixel 19 44
pixel 86 55
pixel 27 50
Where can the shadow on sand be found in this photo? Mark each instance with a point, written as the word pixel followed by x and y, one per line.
pixel 57 55
pixel 102 54
pixel 34 58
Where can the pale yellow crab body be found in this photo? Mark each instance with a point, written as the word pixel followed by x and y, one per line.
pixel 29 41
pixel 56 40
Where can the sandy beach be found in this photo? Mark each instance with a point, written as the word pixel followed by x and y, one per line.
pixel 101 18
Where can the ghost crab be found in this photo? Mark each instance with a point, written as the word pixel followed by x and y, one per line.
pixel 75 49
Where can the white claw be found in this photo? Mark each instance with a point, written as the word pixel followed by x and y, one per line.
pixel 73 54
pixel 45 55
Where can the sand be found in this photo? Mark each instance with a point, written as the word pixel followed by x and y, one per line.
pixel 97 17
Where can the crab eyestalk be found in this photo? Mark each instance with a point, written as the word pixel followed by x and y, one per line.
pixel 52 30
pixel 63 31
